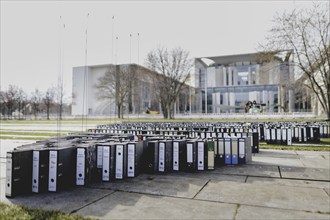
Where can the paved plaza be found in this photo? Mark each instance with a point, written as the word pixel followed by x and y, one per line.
pixel 275 185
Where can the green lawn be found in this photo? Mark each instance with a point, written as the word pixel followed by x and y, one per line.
pixel 19 212
pixel 323 146
pixel 143 118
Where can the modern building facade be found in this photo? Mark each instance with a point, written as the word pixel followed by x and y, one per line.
pixel 85 95
pixel 224 84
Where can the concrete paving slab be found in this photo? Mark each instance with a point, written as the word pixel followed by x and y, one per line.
pixel 250 170
pixel 216 174
pixel 305 173
pixel 320 160
pixel 253 212
pixel 277 161
pixel 274 196
pixel 66 201
pixel 277 153
pixel 167 184
pixel 289 182
pixel 327 190
pixel 123 205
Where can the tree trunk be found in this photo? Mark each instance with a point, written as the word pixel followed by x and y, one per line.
pixel 47 112
pixel 164 110
pixel 118 110
pixel 61 109
pixel 122 111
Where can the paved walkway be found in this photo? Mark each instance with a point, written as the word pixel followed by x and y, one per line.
pixel 276 185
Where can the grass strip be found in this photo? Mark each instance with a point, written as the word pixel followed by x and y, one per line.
pixel 31 130
pixel 293 147
pixel 143 118
pixel 22 138
pixel 13 133
pixel 20 212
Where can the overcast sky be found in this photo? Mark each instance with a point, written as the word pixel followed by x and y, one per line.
pixel 30 33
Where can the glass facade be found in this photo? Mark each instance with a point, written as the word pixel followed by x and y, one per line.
pixel 228 87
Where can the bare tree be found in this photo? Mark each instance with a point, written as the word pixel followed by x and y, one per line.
pixel 35 101
pixel 8 98
pixel 21 100
pixel 48 99
pixel 116 84
pixel 60 95
pixel 306 32
pixel 174 67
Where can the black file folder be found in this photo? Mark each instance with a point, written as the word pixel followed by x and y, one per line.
pixel 18 172
pixel 86 171
pixel 40 169
pixel 179 155
pixel 120 160
pixel 62 165
pixel 165 156
pixel 134 158
pixel 191 159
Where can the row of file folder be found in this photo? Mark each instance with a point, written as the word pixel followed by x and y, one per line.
pixel 65 163
pixel 286 136
pixel 144 134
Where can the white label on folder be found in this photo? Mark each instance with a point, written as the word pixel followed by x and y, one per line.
pixel 267 134
pixel 52 171
pixel 106 163
pixel 189 153
pixel 299 135
pixel 80 173
pixel 289 137
pixel 234 146
pixel 273 134
pixel 312 134
pixel 99 159
pixel 130 160
pixel 221 149
pixel 9 164
pixel 278 135
pixel 284 134
pixel 175 156
pixel 200 155
pixel 227 146
pixel 119 161
pixel 35 172
pixel 161 159
pixel 241 148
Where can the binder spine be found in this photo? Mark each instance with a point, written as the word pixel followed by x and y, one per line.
pixel 80 171
pixel 9 169
pixel 131 148
pixel 161 157
pixel 227 143
pixel 52 180
pixel 99 157
pixel 35 172
pixel 234 157
pixel 176 162
pixel 119 161
pixel 242 151
pixel 200 155
pixel 210 155
pixel 106 163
